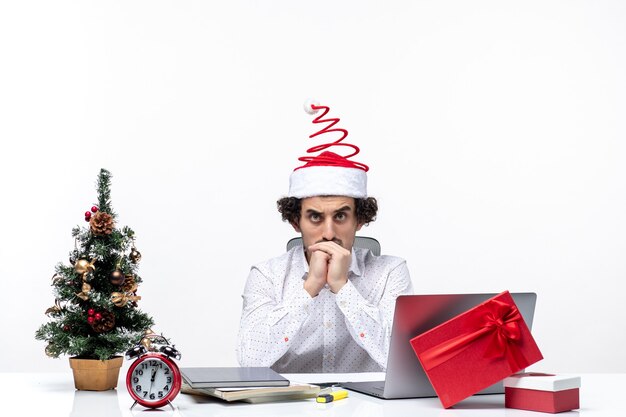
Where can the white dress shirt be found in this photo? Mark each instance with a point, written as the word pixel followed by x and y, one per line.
pixel 283 327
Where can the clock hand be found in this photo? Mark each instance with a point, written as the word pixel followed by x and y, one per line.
pixel 152 380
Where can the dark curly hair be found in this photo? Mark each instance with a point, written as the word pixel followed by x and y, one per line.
pixel 365 208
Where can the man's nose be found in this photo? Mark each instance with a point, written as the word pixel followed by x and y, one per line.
pixel 328 233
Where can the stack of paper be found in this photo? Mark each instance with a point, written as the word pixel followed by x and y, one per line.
pixel 294 391
pixel 244 384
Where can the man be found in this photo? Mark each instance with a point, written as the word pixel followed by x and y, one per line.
pixel 324 306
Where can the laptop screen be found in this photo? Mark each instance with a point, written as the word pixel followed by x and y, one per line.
pixel 415 314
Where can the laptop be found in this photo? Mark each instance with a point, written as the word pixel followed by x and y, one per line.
pixel 415 314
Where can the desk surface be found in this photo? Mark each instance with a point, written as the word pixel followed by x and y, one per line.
pixel 53 394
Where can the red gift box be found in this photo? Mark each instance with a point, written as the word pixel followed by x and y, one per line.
pixel 476 349
pixel 542 392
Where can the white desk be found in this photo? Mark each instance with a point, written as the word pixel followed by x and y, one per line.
pixel 53 394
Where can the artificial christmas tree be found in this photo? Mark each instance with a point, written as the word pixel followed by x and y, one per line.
pixel 95 315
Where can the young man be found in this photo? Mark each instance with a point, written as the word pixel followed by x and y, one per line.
pixel 324 306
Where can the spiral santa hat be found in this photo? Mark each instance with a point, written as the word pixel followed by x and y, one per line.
pixel 328 173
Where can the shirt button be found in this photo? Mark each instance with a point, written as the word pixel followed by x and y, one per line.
pixel 328 325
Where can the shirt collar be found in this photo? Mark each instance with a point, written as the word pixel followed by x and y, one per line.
pixel 355 268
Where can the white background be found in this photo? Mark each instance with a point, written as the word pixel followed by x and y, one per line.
pixel 494 131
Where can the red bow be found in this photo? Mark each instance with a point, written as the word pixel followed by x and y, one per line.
pixel 495 319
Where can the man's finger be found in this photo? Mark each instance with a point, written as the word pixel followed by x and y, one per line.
pixel 330 248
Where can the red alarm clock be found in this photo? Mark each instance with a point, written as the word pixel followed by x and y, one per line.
pixel 153 379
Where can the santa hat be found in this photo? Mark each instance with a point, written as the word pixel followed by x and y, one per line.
pixel 328 173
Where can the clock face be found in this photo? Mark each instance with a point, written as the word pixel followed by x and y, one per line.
pixel 153 380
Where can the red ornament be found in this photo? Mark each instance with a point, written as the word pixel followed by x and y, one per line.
pixel 91 311
pixel 90 319
pixel 87 214
pixel 98 316
pixel 94 209
pixel 66 328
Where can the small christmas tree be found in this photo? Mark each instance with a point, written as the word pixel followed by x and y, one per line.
pixel 95 314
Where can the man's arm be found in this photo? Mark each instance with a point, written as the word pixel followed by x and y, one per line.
pixel 370 325
pixel 268 327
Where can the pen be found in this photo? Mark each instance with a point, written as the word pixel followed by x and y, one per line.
pixel 333 396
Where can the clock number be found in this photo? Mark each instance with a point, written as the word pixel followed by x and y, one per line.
pixel 166 388
pixel 145 393
pixel 135 380
pixel 138 372
pixel 167 371
pixel 169 380
pixel 155 363
pixel 160 394
pixel 152 397
pixel 138 388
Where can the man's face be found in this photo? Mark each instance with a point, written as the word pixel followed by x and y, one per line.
pixel 327 218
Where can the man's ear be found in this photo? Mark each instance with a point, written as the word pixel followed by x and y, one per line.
pixel 358 226
pixel 296 227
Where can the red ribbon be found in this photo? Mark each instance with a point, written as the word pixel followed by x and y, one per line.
pixel 496 320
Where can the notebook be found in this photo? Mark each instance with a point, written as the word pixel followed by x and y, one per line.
pixel 414 315
pixel 232 377
pixel 294 391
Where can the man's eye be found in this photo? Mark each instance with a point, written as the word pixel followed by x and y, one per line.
pixel 340 216
pixel 315 218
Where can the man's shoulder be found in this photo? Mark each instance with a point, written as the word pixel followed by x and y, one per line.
pixel 279 262
pixel 366 258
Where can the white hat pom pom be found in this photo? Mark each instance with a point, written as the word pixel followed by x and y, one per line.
pixel 308 106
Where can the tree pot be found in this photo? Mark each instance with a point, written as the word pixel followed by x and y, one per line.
pixel 94 374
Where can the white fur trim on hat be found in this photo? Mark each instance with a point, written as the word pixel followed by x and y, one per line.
pixel 328 180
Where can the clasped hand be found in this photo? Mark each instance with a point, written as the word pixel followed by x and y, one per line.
pixel 328 264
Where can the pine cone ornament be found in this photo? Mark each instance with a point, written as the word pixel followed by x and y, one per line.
pixel 130 284
pixel 101 224
pixel 105 323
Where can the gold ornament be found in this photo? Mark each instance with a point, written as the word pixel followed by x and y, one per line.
pixel 56 308
pixel 50 350
pixel 150 337
pixel 84 294
pixel 147 343
pixel 85 268
pixel 84 265
pixel 120 299
pixel 135 255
